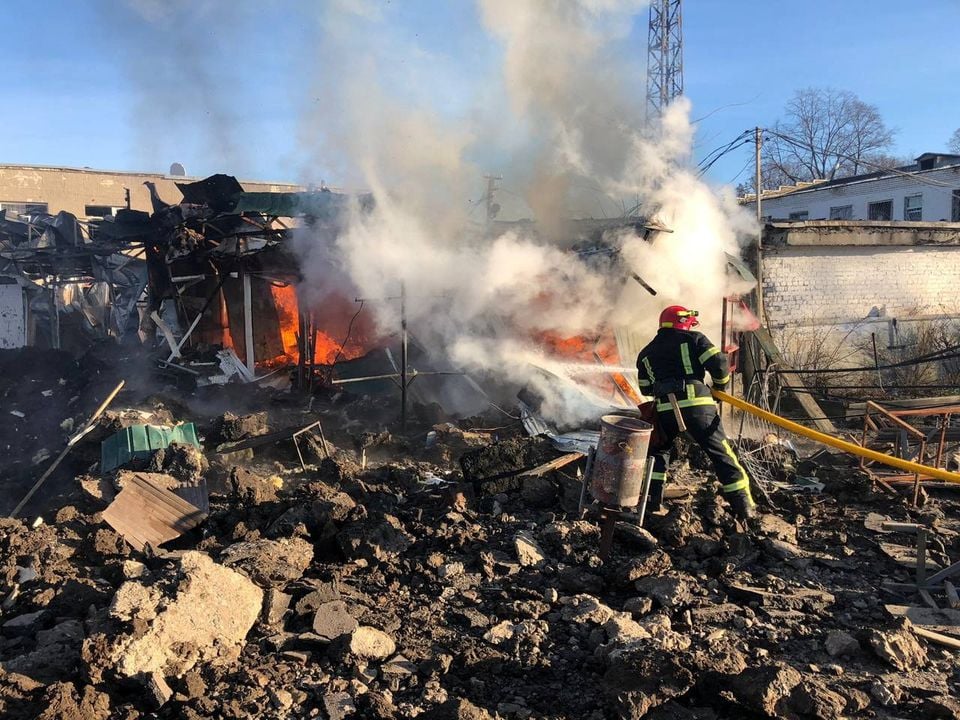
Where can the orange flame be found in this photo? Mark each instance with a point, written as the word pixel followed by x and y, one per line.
pixel 579 348
pixel 582 349
pixel 332 323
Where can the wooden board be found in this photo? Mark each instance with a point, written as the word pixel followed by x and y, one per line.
pixel 883 524
pixel 943 620
pixel 906 556
pixel 554 464
pixel 146 513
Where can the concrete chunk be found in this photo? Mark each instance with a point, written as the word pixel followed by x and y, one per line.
pixel 372 644
pixel 203 617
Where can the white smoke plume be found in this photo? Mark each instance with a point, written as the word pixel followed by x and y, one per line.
pixel 481 301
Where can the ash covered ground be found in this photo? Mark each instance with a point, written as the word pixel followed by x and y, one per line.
pixel 435 582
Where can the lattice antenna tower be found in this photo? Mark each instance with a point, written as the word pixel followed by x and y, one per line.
pixel 664 56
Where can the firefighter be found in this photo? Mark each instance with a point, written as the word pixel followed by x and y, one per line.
pixel 674 363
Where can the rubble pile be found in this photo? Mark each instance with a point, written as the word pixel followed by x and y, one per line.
pixel 444 583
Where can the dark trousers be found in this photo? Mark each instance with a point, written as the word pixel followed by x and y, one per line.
pixel 703 424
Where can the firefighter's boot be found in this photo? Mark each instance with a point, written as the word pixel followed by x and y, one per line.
pixel 742 505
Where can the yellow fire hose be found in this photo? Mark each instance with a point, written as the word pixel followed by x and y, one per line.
pixel 848 447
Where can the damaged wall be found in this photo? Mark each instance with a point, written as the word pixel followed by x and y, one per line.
pixel 13 315
pixel 76 189
pixel 834 283
pixel 838 272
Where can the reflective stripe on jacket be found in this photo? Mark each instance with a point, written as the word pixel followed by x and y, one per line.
pixel 682 357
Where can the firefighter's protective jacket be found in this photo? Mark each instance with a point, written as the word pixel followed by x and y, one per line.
pixel 676 361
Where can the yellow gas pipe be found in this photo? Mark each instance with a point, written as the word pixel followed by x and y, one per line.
pixel 848 447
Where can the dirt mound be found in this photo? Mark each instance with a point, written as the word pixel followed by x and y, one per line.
pixel 399 590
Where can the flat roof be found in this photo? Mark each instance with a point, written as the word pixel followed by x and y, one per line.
pixel 96 171
pixel 815 185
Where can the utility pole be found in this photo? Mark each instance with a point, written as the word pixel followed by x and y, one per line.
pixel 492 207
pixel 758 135
pixel 404 340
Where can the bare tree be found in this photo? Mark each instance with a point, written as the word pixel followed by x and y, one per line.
pixel 954 142
pixel 825 133
pixel 885 161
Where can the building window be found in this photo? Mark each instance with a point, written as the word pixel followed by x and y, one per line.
pixel 23 208
pixel 882 210
pixel 801 215
pixel 955 211
pixel 913 207
pixel 98 211
pixel 842 212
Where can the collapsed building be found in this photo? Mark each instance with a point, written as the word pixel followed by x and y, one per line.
pixel 248 529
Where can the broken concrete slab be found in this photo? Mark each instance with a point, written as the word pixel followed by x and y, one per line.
pixel 202 615
pixel 666 590
pixel 249 488
pixel 813 699
pixel 25 624
pixel 339 705
pixel 324 593
pixel 794 598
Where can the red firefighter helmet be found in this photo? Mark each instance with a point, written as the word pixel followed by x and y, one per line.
pixel 679 318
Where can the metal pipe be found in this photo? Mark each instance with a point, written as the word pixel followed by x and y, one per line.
pixel 586 479
pixel 944 421
pixel 175 352
pixel 647 479
pixel 848 447
pixel 758 137
pixel 904 425
pixel 248 323
pixel 394 376
pixel 876 360
pixel 403 357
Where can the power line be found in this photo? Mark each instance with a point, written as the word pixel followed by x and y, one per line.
pixel 938 356
pixel 709 161
pixel 723 148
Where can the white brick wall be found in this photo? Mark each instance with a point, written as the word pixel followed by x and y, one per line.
pixel 811 285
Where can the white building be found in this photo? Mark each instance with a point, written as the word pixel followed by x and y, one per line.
pixel 927 191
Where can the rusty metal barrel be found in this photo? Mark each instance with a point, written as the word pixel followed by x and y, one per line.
pixel 617 475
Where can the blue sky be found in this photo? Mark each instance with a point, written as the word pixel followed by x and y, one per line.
pixel 93 84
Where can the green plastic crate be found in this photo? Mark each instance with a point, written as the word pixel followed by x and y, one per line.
pixel 140 441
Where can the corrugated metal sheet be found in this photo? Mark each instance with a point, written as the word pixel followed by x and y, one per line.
pixel 140 441
pixel 146 513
